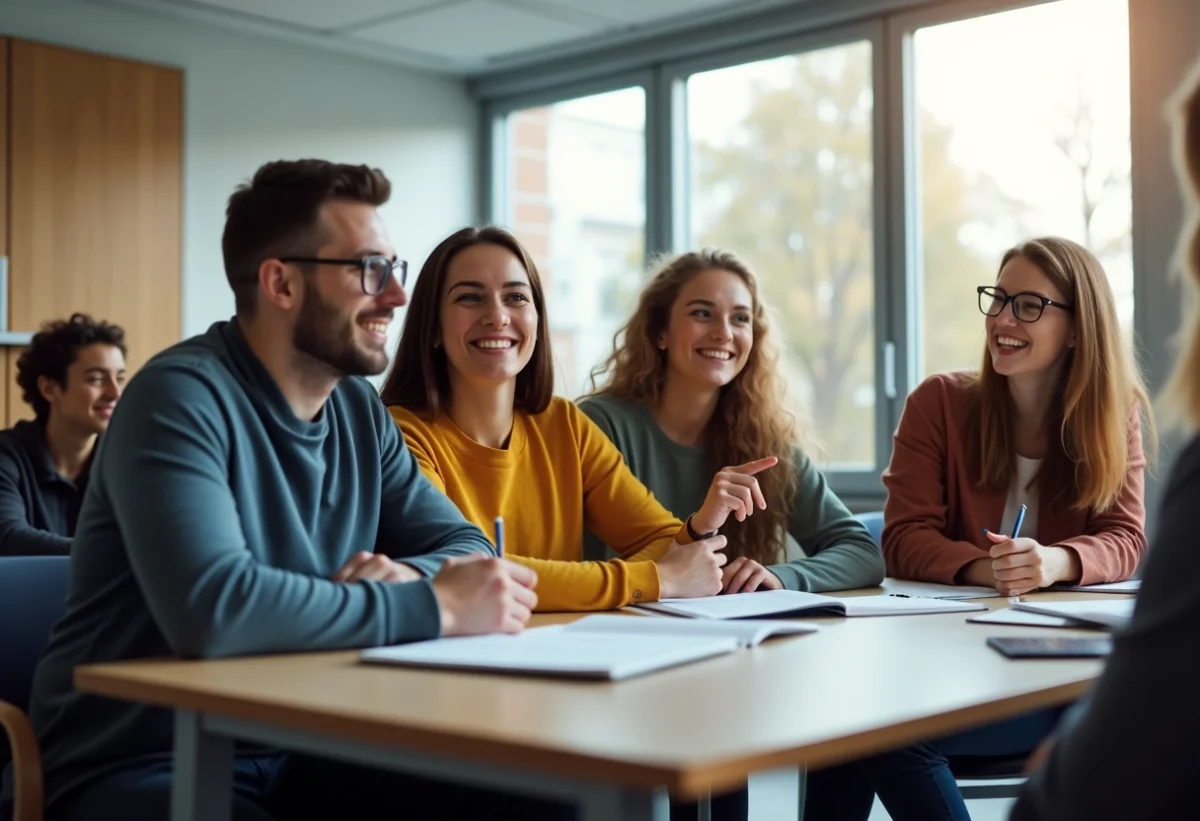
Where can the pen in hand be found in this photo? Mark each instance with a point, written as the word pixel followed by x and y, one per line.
pixel 499 529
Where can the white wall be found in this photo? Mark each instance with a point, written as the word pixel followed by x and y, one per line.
pixel 249 100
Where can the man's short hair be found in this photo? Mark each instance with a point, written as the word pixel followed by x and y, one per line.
pixel 55 348
pixel 277 213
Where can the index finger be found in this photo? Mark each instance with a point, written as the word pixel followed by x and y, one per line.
pixel 757 466
pixel 1007 548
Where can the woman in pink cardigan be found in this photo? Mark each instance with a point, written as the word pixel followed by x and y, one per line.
pixel 1051 422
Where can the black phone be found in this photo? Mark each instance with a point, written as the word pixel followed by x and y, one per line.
pixel 1043 647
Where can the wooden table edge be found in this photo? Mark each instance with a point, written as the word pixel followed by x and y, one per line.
pixel 687 781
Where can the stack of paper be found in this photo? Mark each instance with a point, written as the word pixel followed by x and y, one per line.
pixel 1112 613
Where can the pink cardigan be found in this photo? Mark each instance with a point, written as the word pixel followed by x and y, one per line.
pixel 935 513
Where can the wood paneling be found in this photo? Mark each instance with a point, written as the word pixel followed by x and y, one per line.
pixel 95 159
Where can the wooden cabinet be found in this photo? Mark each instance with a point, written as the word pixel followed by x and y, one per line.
pixel 90 206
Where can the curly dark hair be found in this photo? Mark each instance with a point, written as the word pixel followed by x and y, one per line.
pixel 276 215
pixel 54 348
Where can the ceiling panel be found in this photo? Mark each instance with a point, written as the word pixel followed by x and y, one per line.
pixel 319 14
pixel 471 32
pixel 645 11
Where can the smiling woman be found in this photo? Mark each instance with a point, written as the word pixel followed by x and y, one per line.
pixel 471 389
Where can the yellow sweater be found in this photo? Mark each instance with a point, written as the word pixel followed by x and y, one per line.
pixel 559 475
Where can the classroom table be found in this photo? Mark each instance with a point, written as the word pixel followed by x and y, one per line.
pixel 857 687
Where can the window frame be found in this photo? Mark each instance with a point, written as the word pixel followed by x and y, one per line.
pixel 660 64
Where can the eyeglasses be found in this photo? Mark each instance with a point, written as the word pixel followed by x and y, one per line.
pixel 1026 306
pixel 374 270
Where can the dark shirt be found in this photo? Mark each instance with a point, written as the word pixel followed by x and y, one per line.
pixel 38 506
pixel 1131 753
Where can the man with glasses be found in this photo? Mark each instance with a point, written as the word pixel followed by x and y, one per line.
pixel 253 496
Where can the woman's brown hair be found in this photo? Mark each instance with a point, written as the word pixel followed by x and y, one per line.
pixel 1089 418
pixel 1182 393
pixel 419 379
pixel 751 419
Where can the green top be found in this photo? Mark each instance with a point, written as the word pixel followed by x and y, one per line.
pixel 838 552
pixel 213 521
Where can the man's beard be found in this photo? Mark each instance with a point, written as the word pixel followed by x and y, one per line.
pixel 325 335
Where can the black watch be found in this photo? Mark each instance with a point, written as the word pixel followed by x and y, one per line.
pixel 697 537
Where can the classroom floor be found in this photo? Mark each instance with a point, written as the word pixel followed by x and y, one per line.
pixel 773 798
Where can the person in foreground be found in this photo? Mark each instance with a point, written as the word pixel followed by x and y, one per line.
pixel 1052 422
pixel 1130 751
pixel 252 496
pixel 693 385
pixel 471 389
pixel 72 375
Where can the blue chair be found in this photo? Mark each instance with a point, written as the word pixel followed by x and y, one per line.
pixel 33 595
pixel 874 523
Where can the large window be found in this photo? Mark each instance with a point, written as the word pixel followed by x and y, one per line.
pixel 576 200
pixel 872 172
pixel 780 158
pixel 1023 124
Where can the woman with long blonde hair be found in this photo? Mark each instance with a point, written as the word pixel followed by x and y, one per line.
pixel 1136 736
pixel 693 384
pixel 1023 475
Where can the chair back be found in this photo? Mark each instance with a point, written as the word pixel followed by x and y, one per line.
pixel 33 596
pixel 874 523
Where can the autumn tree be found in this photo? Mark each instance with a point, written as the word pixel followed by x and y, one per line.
pixel 793 192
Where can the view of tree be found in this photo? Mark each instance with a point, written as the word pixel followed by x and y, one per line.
pixel 793 192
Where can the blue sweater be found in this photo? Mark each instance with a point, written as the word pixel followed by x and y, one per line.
pixel 212 523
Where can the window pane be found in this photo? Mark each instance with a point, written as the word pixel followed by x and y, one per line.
pixel 1024 132
pixel 577 202
pixel 781 172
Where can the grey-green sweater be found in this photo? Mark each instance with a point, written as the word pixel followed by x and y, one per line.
pixel 838 552
pixel 212 522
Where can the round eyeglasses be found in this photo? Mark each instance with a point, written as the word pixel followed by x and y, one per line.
pixel 374 270
pixel 1026 306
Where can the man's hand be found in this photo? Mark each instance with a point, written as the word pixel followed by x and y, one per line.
pixel 733 490
pixel 690 570
pixel 744 575
pixel 375 567
pixel 484 594
pixel 1023 565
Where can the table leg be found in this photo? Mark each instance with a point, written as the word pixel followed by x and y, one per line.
pixel 603 804
pixel 202 789
pixel 706 808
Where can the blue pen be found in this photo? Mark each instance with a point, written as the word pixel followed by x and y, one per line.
pixel 1017 524
pixel 500 536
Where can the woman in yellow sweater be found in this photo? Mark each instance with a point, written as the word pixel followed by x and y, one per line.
pixel 471 389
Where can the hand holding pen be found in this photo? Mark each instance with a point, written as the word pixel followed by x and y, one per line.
pixel 1023 565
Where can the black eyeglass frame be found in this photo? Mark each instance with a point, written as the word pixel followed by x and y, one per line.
pixel 993 293
pixel 361 264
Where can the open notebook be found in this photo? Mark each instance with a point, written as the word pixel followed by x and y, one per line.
pixel 794 603
pixel 610 647
pixel 1111 613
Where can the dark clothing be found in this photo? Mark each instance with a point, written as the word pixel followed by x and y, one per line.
pixel 1132 751
pixel 213 522
pixel 294 787
pixel 38 507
